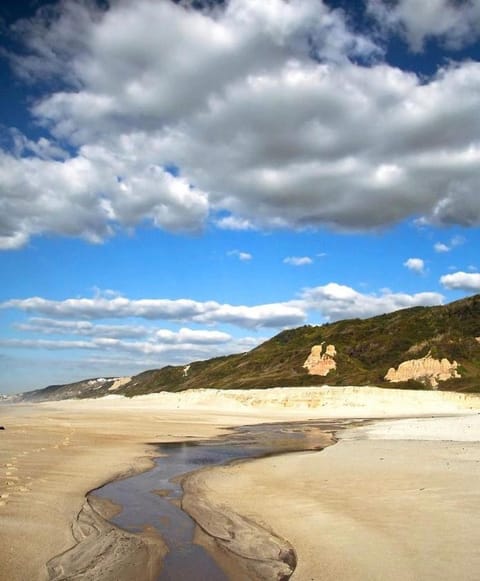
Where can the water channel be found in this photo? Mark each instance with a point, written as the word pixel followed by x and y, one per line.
pixel 151 499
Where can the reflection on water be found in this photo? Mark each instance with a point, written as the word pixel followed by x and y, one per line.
pixel 152 498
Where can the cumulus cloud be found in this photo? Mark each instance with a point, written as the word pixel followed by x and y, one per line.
pixel 297 260
pixel 69 197
pixel 454 23
pixel 337 302
pixel 415 264
pixel 280 129
pixel 441 247
pixel 466 281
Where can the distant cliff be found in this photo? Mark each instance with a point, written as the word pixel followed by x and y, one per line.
pixel 417 348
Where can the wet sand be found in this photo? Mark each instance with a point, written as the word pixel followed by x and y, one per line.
pixel 52 454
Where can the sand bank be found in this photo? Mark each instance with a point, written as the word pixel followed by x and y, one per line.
pixel 388 508
pixel 325 401
pixel 52 454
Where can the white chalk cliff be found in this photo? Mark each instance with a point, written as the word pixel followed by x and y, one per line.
pixel 427 370
pixel 319 363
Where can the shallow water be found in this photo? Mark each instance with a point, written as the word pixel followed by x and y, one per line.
pixel 151 499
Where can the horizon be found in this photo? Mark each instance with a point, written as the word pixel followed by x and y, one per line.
pixel 255 167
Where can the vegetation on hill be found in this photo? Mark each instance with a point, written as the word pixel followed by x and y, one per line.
pixel 366 349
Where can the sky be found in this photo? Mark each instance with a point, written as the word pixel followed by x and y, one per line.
pixel 185 179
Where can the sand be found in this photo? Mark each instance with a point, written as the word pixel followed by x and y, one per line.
pixel 344 507
pixel 402 506
pixel 51 455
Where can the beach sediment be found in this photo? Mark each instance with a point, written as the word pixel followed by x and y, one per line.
pixel 104 552
pixel 52 454
pixel 383 508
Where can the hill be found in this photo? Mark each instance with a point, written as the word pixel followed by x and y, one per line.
pixel 416 348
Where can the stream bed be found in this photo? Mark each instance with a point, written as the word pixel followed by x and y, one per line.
pixel 152 498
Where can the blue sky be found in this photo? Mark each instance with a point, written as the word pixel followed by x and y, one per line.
pixel 180 180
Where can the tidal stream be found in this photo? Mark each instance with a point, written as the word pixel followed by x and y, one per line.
pixel 152 499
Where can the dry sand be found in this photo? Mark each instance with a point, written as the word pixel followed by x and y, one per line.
pixel 52 454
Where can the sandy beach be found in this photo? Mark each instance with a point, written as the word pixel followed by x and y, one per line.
pixel 376 505
pixel 396 509
pixel 52 454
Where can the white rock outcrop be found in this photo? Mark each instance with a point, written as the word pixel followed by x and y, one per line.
pixel 427 370
pixel 319 363
pixel 119 381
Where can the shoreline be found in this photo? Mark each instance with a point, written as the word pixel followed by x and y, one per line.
pixel 52 454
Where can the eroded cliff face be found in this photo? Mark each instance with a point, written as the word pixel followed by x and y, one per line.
pixel 319 363
pixel 427 370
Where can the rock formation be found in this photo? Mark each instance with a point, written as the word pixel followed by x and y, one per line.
pixel 427 370
pixel 319 363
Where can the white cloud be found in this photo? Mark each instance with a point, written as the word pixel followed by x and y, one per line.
pixel 455 241
pixel 298 260
pixel 234 223
pixel 243 256
pixel 456 24
pixel 466 281
pixel 331 301
pixel 209 312
pixel 184 335
pixel 338 302
pixel 179 348
pixel 441 247
pixel 89 329
pixel 82 328
pixel 415 264
pixel 280 131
